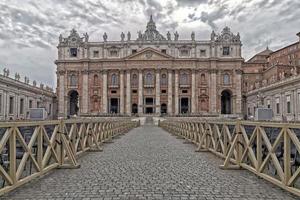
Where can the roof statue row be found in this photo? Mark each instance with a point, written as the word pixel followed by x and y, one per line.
pixel 151 34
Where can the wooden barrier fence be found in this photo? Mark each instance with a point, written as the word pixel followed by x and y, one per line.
pixel 270 150
pixel 31 149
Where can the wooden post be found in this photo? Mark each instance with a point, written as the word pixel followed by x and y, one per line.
pixel 286 156
pixel 12 154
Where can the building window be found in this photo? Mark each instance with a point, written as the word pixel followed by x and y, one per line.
pixel 184 91
pixel 133 51
pixel 38 104
pixel 113 53
pixel 73 80
pixel 134 80
pixel 226 79
pixel 114 92
pixel 202 53
pixel 50 109
pixel 277 105
pixel 30 103
pixel 249 111
pixel 268 103
pixel 134 91
pixel 11 105
pixel 114 79
pixel 184 52
pixel 164 51
pixel 73 52
pixel 164 80
pixel 164 91
pixel 21 106
pixel 226 51
pixel 203 80
pixel 96 54
pixel 184 79
pixel 149 79
pixel 288 104
pixel 96 79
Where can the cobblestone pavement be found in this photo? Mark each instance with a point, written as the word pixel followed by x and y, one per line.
pixel 148 163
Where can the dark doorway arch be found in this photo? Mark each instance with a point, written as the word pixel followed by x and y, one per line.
pixel 184 105
pixel 73 103
pixel 134 108
pixel 163 108
pixel 114 105
pixel 226 98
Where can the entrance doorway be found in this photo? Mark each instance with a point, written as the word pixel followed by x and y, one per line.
pixel 114 105
pixel 226 102
pixel 149 105
pixel 163 108
pixel 184 105
pixel 73 103
pixel 134 108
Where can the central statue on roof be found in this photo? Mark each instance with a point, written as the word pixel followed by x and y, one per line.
pixel 151 34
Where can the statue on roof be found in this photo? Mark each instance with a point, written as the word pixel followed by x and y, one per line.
pixel 176 36
pixel 193 36
pixel 128 36
pixel 122 36
pixel 213 36
pixel 169 35
pixel 60 38
pixel 17 76
pixel 104 37
pixel 86 37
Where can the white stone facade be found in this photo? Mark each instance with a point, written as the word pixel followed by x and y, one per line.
pixel 16 98
pixel 151 74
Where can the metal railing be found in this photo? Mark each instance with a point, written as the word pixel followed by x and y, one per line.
pixel 270 150
pixel 31 149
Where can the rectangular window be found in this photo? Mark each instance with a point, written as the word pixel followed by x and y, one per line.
pixel 11 105
pixel 73 52
pixel 226 51
pixel 50 109
pixel 268 103
pixel 30 103
pixel 202 53
pixel 113 53
pixel 249 111
pixel 164 51
pixel 184 52
pixel 133 51
pixel 21 106
pixel 134 91
pixel 96 54
pixel 278 106
pixel 114 92
pixel 38 104
pixel 164 91
pixel 184 91
pixel 288 104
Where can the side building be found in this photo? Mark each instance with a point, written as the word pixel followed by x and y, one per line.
pixel 152 74
pixel 272 80
pixel 17 97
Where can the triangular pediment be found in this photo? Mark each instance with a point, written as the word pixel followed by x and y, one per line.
pixel 149 54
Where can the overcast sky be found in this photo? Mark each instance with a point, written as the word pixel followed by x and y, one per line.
pixel 29 29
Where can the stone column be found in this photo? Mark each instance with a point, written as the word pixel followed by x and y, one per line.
pixel 213 91
pixel 157 92
pixel 238 82
pixel 128 93
pixel 122 97
pixel 193 101
pixel 176 92
pixel 170 93
pixel 104 90
pixel 140 92
pixel 61 95
pixel 85 91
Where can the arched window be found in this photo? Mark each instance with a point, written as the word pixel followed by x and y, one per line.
pixel 149 79
pixel 203 78
pixel 226 79
pixel 96 80
pixel 164 79
pixel 134 80
pixel 184 79
pixel 73 80
pixel 114 79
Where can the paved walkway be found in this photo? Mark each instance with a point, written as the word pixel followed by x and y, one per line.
pixel 148 163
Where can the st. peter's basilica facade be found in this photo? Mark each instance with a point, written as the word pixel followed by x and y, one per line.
pixel 153 74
